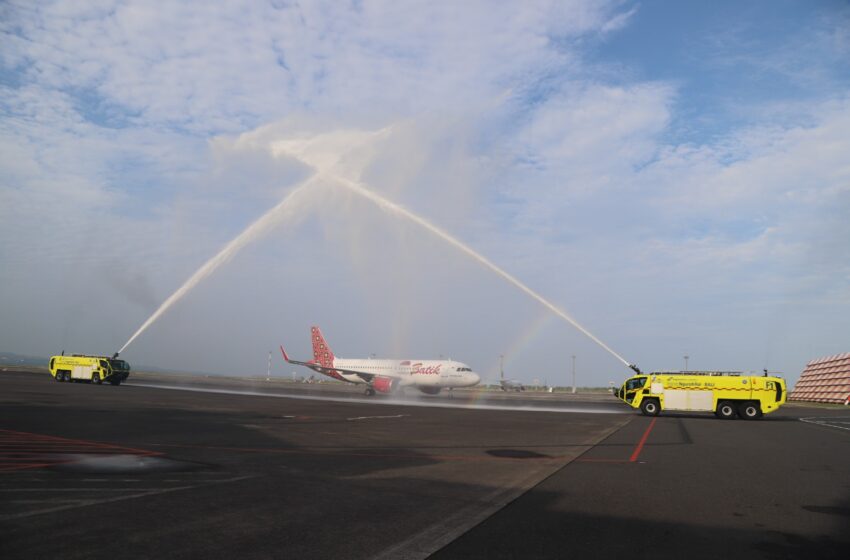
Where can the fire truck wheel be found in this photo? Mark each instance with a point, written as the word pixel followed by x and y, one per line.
pixel 749 411
pixel 115 382
pixel 726 410
pixel 650 407
pixel 95 378
pixel 58 377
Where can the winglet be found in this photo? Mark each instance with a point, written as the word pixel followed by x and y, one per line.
pixel 282 351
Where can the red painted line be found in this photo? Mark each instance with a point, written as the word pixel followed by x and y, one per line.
pixel 40 439
pixel 24 467
pixel 636 452
pixel 24 450
pixel 44 446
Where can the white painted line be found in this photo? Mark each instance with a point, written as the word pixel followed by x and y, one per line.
pixel 84 503
pixel 370 417
pixel 399 402
pixel 434 537
pixel 46 501
pixel 831 421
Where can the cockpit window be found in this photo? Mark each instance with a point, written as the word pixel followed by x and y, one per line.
pixel 464 369
pixel 635 383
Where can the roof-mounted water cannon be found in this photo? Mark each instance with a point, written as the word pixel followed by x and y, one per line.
pixel 115 355
pixel 636 369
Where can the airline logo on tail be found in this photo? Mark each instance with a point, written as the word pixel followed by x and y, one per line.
pixel 322 353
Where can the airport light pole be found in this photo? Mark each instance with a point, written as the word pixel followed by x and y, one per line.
pixel 501 367
pixel 574 373
pixel 686 361
pixel 269 370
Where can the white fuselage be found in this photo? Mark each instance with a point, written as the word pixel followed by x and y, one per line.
pixel 420 373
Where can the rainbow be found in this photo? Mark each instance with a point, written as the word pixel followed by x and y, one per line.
pixel 525 338
pixel 515 349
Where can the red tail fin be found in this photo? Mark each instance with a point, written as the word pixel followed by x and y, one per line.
pixel 322 353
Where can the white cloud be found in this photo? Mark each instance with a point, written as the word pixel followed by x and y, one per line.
pixel 143 138
pixel 225 68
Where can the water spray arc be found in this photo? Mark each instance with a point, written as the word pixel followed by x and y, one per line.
pixel 393 208
pixel 252 232
pixel 271 218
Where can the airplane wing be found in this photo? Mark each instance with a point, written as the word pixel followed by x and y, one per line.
pixel 365 376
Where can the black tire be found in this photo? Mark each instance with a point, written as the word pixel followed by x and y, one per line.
pixel 370 392
pixel 58 377
pixel 650 407
pixel 96 379
pixel 749 410
pixel 726 410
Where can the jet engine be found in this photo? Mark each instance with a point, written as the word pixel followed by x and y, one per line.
pixel 384 384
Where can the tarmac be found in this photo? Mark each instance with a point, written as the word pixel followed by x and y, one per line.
pixel 178 467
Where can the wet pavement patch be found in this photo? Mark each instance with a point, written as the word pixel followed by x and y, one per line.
pixel 830 510
pixel 124 464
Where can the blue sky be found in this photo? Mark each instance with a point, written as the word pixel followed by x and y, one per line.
pixel 672 174
pixel 728 56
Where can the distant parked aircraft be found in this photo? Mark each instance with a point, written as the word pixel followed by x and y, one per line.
pixel 509 384
pixel 386 376
pixel 512 385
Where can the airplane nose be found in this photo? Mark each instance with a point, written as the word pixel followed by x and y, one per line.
pixel 474 378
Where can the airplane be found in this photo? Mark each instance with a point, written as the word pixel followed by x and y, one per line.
pixel 387 376
pixel 508 384
pixel 511 385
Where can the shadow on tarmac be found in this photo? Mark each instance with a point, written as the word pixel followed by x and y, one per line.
pixel 535 526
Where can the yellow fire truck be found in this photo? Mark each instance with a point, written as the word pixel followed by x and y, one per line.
pixel 95 369
pixel 727 394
